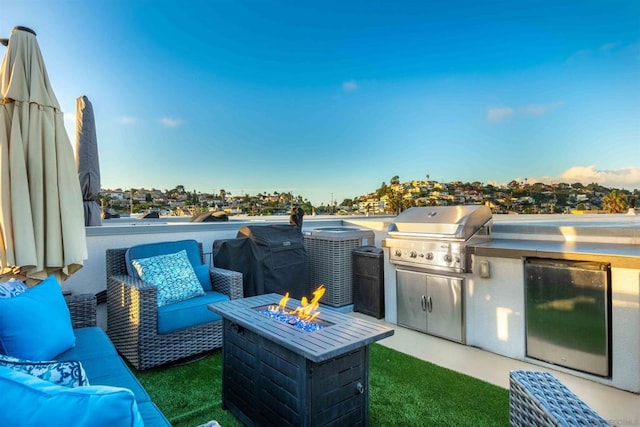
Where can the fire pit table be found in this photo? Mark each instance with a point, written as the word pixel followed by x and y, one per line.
pixel 277 374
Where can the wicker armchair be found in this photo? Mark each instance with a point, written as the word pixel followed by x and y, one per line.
pixel 132 318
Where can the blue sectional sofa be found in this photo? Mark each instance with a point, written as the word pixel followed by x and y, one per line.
pixel 104 366
pixel 114 396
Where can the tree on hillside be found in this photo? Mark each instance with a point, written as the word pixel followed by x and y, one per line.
pixel 347 202
pixel 395 200
pixel 394 203
pixel 382 190
pixel 408 202
pixel 614 202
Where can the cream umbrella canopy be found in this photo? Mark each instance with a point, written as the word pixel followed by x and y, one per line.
pixel 41 213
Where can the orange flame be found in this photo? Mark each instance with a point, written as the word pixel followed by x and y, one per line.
pixel 282 305
pixel 306 310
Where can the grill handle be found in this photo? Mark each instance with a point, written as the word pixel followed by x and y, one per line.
pixel 424 303
pixel 429 304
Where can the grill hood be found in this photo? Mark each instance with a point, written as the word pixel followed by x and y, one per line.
pixel 442 222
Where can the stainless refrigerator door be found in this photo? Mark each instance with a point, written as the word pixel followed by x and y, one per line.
pixel 412 299
pixel 444 307
pixel 567 312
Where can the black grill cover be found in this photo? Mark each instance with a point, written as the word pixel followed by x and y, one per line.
pixel 271 258
pixel 235 255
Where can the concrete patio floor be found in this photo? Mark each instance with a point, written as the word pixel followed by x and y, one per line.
pixel 619 407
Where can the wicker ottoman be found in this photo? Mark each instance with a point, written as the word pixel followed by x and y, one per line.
pixel 539 399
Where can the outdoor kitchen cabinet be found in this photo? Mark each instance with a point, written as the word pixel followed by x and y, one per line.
pixel 430 303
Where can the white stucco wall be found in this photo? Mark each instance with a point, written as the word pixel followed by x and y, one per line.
pixel 495 308
pixel 625 328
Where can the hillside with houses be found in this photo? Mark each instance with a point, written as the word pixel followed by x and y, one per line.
pixel 514 197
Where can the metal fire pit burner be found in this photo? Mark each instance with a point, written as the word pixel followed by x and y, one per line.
pixel 276 374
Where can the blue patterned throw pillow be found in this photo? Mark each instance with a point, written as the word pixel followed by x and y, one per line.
pixel 68 373
pixel 12 288
pixel 172 274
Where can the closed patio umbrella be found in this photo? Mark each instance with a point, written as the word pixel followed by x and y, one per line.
pixel 41 214
pixel 87 160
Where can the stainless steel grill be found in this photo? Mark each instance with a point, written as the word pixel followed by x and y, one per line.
pixel 437 238
pixel 428 247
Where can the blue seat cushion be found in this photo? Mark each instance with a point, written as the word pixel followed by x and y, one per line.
pixel 112 371
pixel 148 250
pixel 90 342
pixel 102 363
pixel 152 415
pixel 191 312
pixel 28 399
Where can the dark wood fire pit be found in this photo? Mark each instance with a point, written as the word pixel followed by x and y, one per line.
pixel 276 374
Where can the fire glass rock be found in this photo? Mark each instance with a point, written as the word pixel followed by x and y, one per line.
pixel 292 320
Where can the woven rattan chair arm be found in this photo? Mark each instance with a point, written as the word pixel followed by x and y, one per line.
pixel 82 308
pixel 228 282
pixel 134 296
pixel 134 282
pixel 115 262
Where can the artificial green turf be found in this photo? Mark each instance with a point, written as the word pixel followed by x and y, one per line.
pixel 189 395
pixel 403 391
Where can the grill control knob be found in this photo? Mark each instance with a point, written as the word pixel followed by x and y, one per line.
pixel 430 256
pixel 398 252
pixel 447 258
pixel 413 254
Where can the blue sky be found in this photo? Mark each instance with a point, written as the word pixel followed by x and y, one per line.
pixel 330 99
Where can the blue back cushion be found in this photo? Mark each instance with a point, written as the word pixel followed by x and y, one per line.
pixel 148 250
pixel 36 324
pixel 202 272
